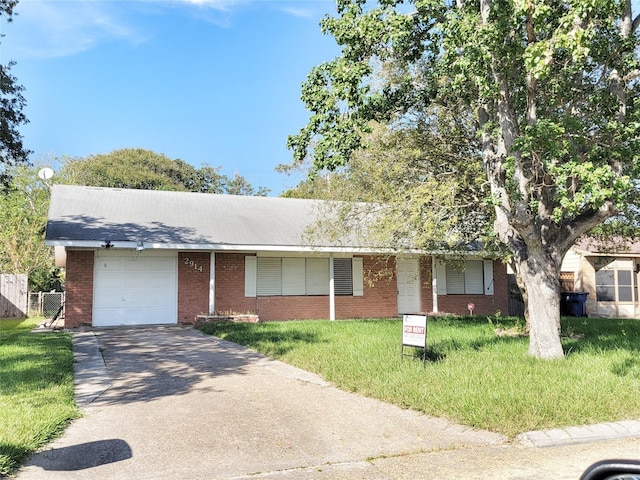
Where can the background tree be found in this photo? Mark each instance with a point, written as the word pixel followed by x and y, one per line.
pixel 238 185
pixel 550 88
pixel 12 103
pixel 143 169
pixel 23 216
pixel 410 186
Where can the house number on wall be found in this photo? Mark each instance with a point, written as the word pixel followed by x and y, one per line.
pixel 192 264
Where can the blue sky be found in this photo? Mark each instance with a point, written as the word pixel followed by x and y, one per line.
pixel 206 81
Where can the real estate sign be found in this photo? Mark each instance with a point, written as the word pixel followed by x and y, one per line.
pixel 414 330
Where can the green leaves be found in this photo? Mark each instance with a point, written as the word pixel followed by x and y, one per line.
pixel 23 216
pixel 550 85
pixel 584 186
pixel 143 169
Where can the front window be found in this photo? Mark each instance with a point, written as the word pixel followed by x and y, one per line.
pixel 615 281
pixel 302 276
pixel 465 277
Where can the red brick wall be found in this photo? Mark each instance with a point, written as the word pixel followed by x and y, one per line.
pixel 229 284
pixel 193 285
pixel 380 297
pixel 484 304
pixel 79 288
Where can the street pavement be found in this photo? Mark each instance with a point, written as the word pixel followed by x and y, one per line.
pixel 173 403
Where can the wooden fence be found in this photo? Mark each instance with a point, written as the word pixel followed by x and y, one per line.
pixel 14 294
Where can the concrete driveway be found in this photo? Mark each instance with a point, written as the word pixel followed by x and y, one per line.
pixel 174 403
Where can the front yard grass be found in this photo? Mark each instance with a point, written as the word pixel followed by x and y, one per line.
pixel 473 376
pixel 36 389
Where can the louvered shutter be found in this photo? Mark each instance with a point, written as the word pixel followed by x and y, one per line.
pixel 317 280
pixel 473 277
pixel 269 276
pixel 455 279
pixel 342 276
pixel 293 276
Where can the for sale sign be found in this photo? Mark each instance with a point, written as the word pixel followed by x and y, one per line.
pixel 414 330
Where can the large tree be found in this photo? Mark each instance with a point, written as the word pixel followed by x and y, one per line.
pixel 12 103
pixel 23 217
pixel 144 169
pixel 552 88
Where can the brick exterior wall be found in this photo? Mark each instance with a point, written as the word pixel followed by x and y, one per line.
pixel 79 288
pixel 193 285
pixel 379 299
pixel 229 285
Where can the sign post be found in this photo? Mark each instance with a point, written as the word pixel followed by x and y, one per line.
pixel 414 333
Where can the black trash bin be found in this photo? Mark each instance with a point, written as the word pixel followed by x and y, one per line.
pixel 574 304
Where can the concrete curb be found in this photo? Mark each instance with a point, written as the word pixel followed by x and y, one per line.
pixel 583 434
pixel 91 377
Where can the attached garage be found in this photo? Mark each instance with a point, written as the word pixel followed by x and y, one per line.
pixel 134 288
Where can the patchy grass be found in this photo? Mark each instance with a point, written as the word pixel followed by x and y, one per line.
pixel 36 389
pixel 473 376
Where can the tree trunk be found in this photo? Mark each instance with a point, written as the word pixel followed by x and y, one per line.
pixel 540 276
pixel 525 296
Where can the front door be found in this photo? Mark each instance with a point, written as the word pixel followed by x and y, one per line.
pixel 408 277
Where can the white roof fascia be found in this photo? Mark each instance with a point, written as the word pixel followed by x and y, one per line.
pixel 222 247
pixel 219 247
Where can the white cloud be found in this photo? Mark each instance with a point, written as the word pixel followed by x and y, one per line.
pixel 300 12
pixel 59 28
pixel 55 28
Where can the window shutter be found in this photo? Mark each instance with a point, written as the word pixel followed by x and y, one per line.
pixel 455 279
pixel 357 276
pixel 441 277
pixel 317 276
pixel 293 276
pixel 473 277
pixel 269 276
pixel 343 276
pixel 488 277
pixel 250 276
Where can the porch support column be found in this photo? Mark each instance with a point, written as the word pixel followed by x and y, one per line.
pixel 434 285
pixel 212 283
pixel 332 293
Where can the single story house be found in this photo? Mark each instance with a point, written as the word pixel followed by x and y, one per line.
pixel 608 273
pixel 136 257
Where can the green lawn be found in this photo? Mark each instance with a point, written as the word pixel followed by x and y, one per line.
pixel 36 389
pixel 473 376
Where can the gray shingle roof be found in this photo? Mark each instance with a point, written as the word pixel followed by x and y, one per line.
pixel 90 214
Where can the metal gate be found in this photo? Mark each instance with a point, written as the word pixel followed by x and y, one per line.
pixel 45 304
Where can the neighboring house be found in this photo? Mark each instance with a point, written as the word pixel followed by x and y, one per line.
pixel 608 273
pixel 154 257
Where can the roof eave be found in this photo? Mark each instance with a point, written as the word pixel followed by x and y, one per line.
pixel 219 247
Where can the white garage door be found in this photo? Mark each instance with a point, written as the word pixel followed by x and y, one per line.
pixel 134 288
